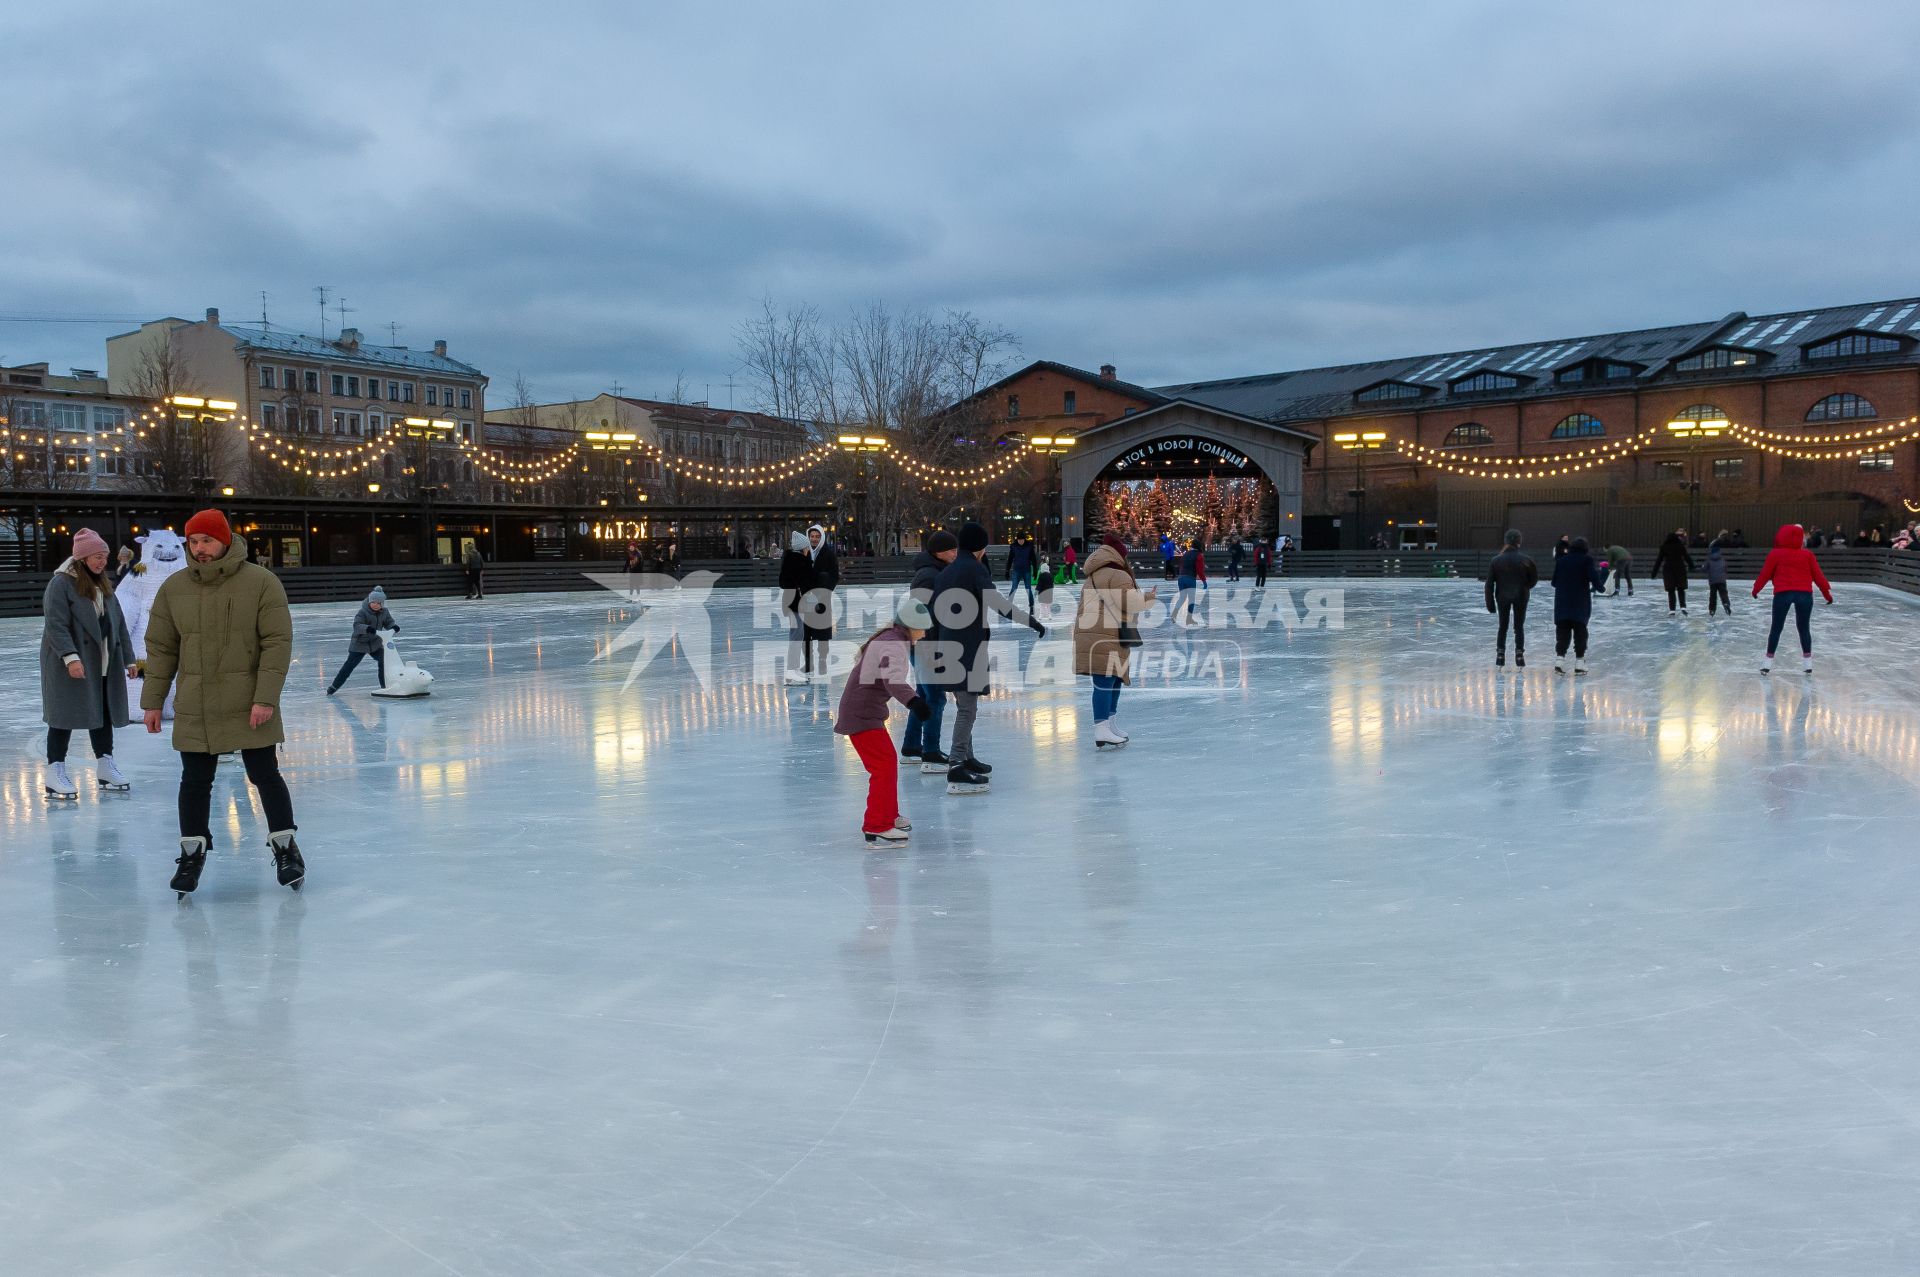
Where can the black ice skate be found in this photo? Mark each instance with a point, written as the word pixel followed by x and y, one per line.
pixel 192 859
pixel 963 779
pixel 934 763
pixel 287 863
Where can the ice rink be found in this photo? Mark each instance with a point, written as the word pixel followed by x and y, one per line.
pixel 1363 958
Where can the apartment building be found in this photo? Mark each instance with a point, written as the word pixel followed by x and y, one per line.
pixel 65 432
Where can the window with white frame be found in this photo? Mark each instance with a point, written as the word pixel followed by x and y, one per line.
pixel 1877 461
pixel 374 421
pixel 269 415
pixel 433 395
pixel 1729 467
pixel 446 396
pixel 1842 407
pixel 339 384
pixel 289 379
pixel 266 377
pixel 466 398
pixel 312 380
pixel 353 424
pixel 109 418
pixel 353 387
pixel 313 420
pixel 339 422
pixel 67 416
pixel 393 391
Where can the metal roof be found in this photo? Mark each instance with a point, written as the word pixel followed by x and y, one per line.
pixel 1329 392
pixel 301 346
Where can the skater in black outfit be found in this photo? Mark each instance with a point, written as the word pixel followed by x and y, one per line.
pixel 1575 576
pixel 1262 560
pixel 796 578
pixel 372 618
pixel 922 741
pixel 1510 580
pixel 1671 565
pixel 963 595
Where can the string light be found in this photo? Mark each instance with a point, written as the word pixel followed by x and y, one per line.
pixel 949 477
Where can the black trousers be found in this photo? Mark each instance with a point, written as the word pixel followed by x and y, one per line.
pixel 353 659
pixel 196 790
pixel 59 738
pixel 1676 596
pixel 1718 594
pixel 1516 610
pixel 1575 630
pixel 473 584
pixel 1259 573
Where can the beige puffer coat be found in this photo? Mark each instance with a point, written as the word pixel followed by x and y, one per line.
pixel 1109 596
pixel 223 630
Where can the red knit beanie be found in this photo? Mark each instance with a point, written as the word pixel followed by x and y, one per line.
pixel 210 523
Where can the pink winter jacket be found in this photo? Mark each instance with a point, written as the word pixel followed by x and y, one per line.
pixel 883 669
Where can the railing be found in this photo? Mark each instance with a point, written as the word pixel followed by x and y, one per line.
pixel 20 592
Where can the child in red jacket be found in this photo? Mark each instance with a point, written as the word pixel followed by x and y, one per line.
pixel 1794 571
pixel 883 669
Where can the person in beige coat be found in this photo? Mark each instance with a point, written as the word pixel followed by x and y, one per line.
pixel 1110 598
pixel 221 628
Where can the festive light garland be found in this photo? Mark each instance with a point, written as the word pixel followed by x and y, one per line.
pixel 1751 433
pixel 950 477
pixel 749 476
pixel 1828 454
pixel 1596 454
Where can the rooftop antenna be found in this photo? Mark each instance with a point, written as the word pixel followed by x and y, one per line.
pixel 393 333
pixel 729 392
pixel 345 310
pixel 264 325
pixel 323 290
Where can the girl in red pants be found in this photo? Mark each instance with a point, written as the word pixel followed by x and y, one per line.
pixel 883 668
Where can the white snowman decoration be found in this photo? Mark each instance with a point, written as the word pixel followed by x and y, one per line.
pixel 162 553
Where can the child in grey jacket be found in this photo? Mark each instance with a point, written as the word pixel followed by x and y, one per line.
pixel 883 671
pixel 372 618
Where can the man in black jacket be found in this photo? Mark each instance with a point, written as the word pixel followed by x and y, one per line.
pixel 922 742
pixel 963 593
pixel 1510 580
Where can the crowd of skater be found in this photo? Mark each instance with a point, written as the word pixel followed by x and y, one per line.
pixel 1579 576
pixel 211 647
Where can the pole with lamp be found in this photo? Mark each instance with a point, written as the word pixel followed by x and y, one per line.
pixel 1693 430
pixel 193 410
pixel 1360 444
pixel 611 442
pixel 1054 447
pixel 863 447
pixel 373 524
pixel 430 430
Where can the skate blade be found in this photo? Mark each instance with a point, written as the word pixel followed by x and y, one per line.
pixel 932 769
pixel 59 797
pixel 1110 744
pixel 963 790
pixel 115 789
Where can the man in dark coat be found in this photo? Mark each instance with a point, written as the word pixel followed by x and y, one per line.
pixel 1575 577
pixel 1510 579
pixel 922 741
pixel 1020 568
pixel 796 578
pixel 963 593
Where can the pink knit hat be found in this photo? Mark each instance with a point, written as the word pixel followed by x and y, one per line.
pixel 88 542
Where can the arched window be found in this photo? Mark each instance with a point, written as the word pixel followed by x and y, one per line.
pixel 1842 407
pixel 1580 425
pixel 1701 412
pixel 1469 434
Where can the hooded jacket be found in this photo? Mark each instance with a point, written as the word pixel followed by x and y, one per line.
pixel 1716 563
pixel 881 671
pixel 826 563
pixel 1575 577
pixel 796 572
pixel 223 630
pixel 1791 566
pixel 963 595
pixel 1672 563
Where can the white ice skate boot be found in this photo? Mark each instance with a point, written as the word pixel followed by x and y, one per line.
pixel 1806 663
pixel 902 823
pixel 59 784
pixel 109 776
pixel 796 677
pixel 888 837
pixel 1580 665
pixel 1766 663
pixel 1559 665
pixel 1105 737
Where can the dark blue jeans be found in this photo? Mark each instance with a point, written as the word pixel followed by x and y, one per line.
pixel 923 735
pixel 1106 696
pixel 1801 601
pixel 1018 580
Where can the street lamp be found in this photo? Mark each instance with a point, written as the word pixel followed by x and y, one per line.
pixel 863 446
pixel 1054 447
pixel 1693 430
pixel 1360 444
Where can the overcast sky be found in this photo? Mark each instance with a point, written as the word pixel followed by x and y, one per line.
pixel 595 192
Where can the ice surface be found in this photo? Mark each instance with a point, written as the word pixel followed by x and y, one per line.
pixel 1363 958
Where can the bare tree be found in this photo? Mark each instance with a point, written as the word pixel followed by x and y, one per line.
pixel 177 453
pixel 523 409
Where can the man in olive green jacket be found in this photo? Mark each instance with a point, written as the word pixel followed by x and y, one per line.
pixel 222 629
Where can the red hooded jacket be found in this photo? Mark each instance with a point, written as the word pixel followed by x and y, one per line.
pixel 1791 566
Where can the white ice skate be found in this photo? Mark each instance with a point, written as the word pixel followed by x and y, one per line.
pixel 796 678
pixel 402 677
pixel 901 822
pixel 888 837
pixel 1580 665
pixel 1559 665
pixel 1766 663
pixel 109 777
pixel 59 785
pixel 1806 665
pixel 1106 737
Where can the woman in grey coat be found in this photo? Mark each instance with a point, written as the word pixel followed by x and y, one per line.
pixel 86 657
